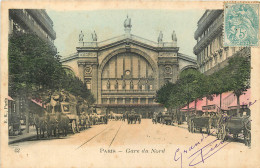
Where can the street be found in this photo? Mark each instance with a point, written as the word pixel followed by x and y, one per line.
pixel 119 144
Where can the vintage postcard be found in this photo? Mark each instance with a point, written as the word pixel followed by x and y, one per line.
pixel 130 84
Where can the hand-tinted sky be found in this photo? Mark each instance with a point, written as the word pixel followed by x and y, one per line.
pixel 109 23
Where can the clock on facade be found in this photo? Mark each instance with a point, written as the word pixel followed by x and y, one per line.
pixel 127 72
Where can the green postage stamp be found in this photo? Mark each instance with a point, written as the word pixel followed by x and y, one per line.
pixel 241 26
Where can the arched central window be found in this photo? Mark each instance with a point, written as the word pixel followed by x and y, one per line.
pixel 127 71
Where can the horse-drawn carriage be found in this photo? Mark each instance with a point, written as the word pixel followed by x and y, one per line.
pixel 61 116
pixel 157 118
pixel 229 125
pixel 167 119
pixel 200 123
pixel 133 118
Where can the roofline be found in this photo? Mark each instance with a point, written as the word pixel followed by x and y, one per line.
pixel 187 57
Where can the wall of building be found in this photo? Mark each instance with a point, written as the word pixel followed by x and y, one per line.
pixel 210 52
pixel 34 21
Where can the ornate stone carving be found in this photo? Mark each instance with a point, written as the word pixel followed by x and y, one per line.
pixel 116 85
pixel 174 37
pixel 94 36
pixel 147 86
pixel 108 84
pixel 131 85
pixel 123 84
pixel 168 70
pixel 160 37
pixel 139 85
pixel 88 70
pixel 127 22
pixel 81 37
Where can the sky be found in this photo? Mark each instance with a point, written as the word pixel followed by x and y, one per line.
pixel 109 23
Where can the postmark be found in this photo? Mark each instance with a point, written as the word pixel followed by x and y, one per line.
pixel 241 24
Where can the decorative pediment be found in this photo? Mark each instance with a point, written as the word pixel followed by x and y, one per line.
pixel 128 41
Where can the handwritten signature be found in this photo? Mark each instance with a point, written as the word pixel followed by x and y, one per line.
pixel 206 151
pixel 202 154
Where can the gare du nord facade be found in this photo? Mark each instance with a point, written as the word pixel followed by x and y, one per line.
pixel 124 72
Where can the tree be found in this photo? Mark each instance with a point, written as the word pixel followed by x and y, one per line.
pixel 238 81
pixel 36 72
pixel 162 95
pixel 219 83
pixel 32 65
pixel 192 82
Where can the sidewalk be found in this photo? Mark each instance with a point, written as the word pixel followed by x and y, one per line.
pixel 24 136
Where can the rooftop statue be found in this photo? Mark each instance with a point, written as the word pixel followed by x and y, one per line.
pixel 81 36
pixel 174 38
pixel 127 23
pixel 94 36
pixel 160 38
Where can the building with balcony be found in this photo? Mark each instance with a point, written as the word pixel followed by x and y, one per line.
pixel 210 52
pixel 32 21
pixel 125 72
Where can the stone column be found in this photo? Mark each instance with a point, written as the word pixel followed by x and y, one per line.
pixel 161 75
pixel 146 100
pixel 95 86
pixel 139 100
pixel 131 100
pixel 81 66
pixel 115 100
pixel 123 100
pixel 108 100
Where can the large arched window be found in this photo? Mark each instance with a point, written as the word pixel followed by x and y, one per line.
pixel 127 71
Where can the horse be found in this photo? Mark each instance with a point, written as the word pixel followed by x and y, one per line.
pixel 63 123
pixel 40 123
pixel 52 125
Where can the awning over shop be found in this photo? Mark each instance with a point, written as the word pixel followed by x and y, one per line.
pixel 244 99
pixel 9 98
pixel 129 105
pixel 38 103
pixel 199 105
pixel 228 99
pixel 214 105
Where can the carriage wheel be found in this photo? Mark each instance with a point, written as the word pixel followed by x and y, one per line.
pixel 192 129
pixel 223 133
pixel 208 131
pixel 218 133
pixel 188 127
pixel 73 127
pixel 77 128
pixel 247 138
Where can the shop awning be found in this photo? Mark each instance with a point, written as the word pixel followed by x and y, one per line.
pixel 244 99
pixel 129 105
pixel 9 98
pixel 38 103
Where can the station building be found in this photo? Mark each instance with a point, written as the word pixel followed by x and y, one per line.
pixel 125 72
